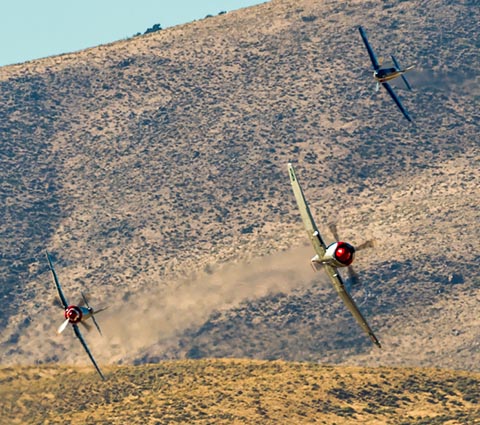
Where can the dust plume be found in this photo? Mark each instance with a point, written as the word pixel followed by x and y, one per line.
pixel 459 81
pixel 158 317
pixel 155 318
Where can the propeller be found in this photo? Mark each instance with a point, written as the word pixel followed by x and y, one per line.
pixel 62 327
pixel 368 244
pixel 352 274
pixel 333 229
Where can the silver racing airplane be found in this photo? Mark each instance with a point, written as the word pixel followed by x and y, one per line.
pixel 75 315
pixel 383 75
pixel 331 257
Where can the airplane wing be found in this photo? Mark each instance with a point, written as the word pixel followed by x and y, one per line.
pixel 310 226
pixel 80 337
pixel 397 100
pixel 347 299
pixel 57 283
pixel 371 53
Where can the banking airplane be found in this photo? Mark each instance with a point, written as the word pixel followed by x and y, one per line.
pixel 383 75
pixel 75 315
pixel 338 254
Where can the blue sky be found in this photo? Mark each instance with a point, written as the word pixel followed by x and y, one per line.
pixel 32 29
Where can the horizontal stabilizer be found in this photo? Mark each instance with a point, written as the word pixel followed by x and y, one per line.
pixel 408 68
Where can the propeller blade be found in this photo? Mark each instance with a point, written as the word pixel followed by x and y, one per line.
pixel 333 229
pixel 86 325
pixel 57 303
pixel 352 276
pixel 84 300
pixel 62 327
pixel 365 245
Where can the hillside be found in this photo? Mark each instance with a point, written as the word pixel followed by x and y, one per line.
pixel 238 391
pixel 154 169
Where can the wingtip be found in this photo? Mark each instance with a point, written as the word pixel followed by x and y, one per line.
pixel 375 340
pixel 49 259
pixel 291 172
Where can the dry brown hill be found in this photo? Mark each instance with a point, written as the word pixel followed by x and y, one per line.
pixel 238 392
pixel 155 170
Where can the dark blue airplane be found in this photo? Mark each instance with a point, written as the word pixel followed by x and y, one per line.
pixel 383 75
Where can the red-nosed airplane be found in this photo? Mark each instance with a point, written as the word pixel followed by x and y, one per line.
pixel 338 254
pixel 383 75
pixel 75 315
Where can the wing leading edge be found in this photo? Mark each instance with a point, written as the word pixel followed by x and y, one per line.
pixel 348 300
pixel 397 100
pixel 371 53
pixel 320 248
pixel 57 283
pixel 85 346
pixel 312 231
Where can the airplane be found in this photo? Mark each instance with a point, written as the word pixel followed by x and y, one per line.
pixel 75 315
pixel 331 257
pixel 383 75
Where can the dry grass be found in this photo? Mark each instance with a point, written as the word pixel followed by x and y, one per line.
pixel 238 392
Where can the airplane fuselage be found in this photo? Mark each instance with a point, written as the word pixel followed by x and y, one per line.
pixel 338 254
pixel 383 75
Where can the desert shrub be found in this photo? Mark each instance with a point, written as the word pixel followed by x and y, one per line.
pixel 154 28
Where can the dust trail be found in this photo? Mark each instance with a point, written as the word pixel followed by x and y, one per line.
pixel 158 316
pixel 460 81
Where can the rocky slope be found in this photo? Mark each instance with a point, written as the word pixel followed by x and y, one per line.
pixel 154 169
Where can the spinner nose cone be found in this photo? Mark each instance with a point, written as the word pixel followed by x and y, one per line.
pixel 73 314
pixel 344 253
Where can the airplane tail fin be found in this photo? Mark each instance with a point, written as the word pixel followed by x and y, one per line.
pixel 408 68
pixel 94 312
pixel 96 325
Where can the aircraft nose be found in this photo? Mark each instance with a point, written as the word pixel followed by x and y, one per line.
pixel 344 253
